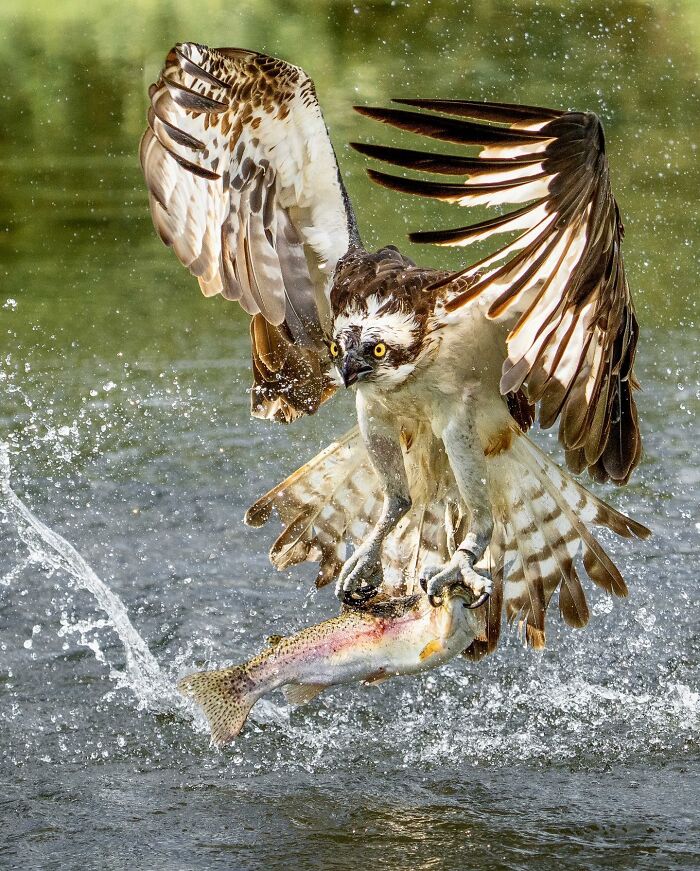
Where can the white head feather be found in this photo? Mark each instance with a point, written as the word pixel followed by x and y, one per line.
pixel 394 328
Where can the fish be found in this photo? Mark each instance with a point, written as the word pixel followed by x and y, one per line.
pixel 396 636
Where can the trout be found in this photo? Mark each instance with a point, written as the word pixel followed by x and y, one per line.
pixel 396 636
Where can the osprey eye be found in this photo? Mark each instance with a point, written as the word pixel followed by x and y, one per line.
pixel 333 348
pixel 379 350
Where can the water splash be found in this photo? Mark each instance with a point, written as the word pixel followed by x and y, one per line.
pixel 141 674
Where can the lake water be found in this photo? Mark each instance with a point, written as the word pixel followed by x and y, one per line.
pixel 123 405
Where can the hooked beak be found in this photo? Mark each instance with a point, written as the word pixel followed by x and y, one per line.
pixel 354 368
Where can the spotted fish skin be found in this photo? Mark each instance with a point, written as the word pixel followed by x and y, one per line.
pixel 396 636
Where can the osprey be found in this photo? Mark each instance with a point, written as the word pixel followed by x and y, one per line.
pixel 438 482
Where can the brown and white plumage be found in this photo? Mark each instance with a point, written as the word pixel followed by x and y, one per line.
pixel 543 525
pixel 560 284
pixel 439 480
pixel 244 186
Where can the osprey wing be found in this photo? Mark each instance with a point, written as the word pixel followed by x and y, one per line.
pixel 244 186
pixel 559 283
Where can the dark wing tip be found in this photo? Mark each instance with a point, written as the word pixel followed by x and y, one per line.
pixel 375 112
pixel 437 237
pixel 436 190
pixel 408 158
pixel 461 129
pixel 362 147
pixel 442 164
pixel 384 179
pixel 504 113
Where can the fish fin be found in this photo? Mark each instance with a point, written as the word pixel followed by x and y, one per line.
pixel 431 648
pixel 225 698
pixel 300 694
pixel 377 677
pixel 274 640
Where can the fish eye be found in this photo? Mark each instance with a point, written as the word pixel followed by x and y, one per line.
pixel 379 350
pixel 334 349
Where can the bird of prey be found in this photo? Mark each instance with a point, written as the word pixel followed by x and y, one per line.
pixel 438 483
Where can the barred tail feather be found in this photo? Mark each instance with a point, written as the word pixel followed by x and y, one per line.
pixel 335 499
pixel 494 605
pixel 541 527
pixel 544 517
pixel 338 452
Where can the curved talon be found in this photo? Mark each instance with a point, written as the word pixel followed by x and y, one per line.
pixel 436 581
pixel 357 598
pixel 480 601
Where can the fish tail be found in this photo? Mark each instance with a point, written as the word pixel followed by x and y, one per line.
pixel 225 696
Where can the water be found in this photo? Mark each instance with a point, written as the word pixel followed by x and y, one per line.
pixel 55 555
pixel 123 406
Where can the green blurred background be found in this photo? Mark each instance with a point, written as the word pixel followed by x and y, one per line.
pixel 90 280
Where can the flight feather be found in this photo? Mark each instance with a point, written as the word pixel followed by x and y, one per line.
pixel 559 282
pixel 244 186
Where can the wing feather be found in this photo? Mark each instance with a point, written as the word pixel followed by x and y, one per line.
pixel 560 285
pixel 245 187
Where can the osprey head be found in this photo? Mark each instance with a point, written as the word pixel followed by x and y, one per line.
pixel 376 340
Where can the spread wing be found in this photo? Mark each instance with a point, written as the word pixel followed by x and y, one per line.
pixel 559 283
pixel 244 186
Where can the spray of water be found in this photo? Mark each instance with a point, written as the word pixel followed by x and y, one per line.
pixel 141 674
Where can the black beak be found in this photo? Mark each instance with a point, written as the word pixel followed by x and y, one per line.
pixel 354 368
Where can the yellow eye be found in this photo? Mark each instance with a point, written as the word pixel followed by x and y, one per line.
pixel 333 348
pixel 379 350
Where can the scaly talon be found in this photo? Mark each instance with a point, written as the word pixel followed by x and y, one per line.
pixel 458 572
pixel 360 577
pixel 484 597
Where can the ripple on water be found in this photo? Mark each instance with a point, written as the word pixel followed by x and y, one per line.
pixel 614 703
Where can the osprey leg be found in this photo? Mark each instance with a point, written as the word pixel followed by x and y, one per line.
pixel 362 572
pixel 466 456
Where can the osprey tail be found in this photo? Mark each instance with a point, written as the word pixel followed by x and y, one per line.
pixel 333 495
pixel 335 500
pixel 542 520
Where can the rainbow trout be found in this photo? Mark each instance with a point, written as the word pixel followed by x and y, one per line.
pixel 397 636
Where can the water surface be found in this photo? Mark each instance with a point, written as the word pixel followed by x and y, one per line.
pixel 122 401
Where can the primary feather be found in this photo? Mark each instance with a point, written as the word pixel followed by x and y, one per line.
pixel 245 187
pixel 560 285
